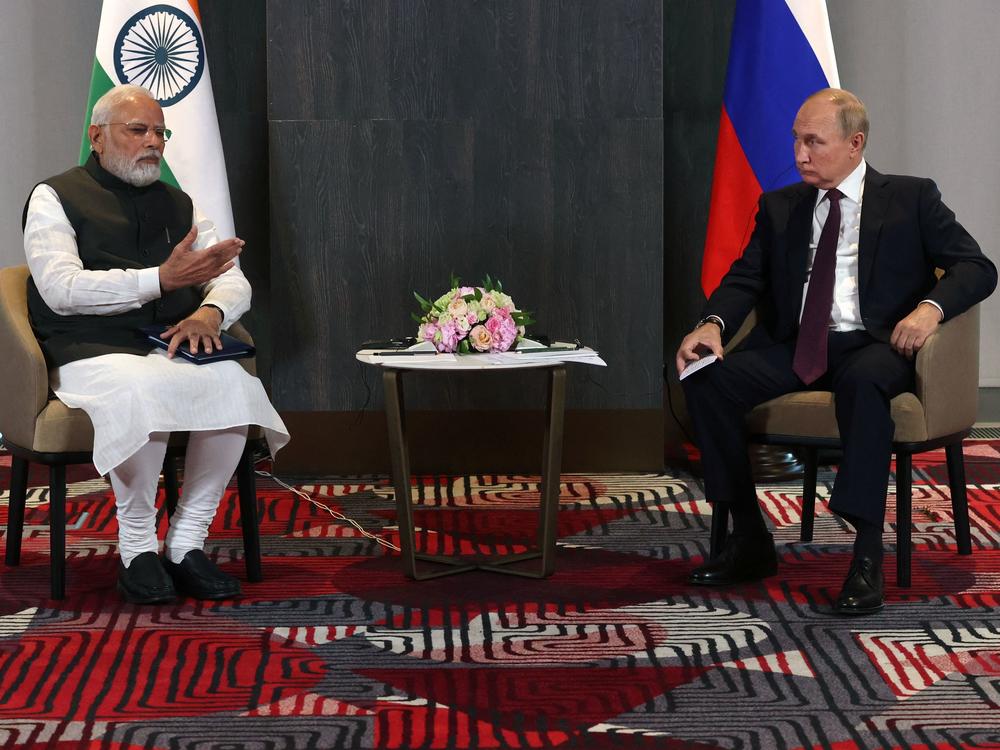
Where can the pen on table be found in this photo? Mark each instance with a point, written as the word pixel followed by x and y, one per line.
pixel 400 354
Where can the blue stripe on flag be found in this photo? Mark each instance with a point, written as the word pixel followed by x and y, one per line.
pixel 771 70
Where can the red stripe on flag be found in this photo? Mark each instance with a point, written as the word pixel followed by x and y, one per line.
pixel 735 191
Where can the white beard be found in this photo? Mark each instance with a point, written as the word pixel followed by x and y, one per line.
pixel 132 172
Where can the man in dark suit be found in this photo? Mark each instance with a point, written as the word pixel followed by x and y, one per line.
pixel 841 268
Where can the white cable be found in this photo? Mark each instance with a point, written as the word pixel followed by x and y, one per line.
pixel 337 515
pixel 305 496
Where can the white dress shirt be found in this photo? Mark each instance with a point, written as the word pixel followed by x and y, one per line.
pixel 69 289
pixel 846 312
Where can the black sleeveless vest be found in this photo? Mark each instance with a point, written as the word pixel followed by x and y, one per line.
pixel 117 226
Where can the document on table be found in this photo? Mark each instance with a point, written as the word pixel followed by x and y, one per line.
pixel 533 355
pixel 585 355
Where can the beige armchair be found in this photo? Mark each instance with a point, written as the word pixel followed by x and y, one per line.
pixel 939 413
pixel 38 428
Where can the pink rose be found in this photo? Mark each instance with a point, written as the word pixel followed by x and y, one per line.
pixel 480 338
pixel 458 307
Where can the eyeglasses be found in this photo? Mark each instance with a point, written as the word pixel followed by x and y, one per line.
pixel 139 129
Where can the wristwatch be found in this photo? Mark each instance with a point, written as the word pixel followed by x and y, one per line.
pixel 712 319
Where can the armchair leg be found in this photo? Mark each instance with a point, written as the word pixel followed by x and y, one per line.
pixel 170 485
pixel 809 454
pixel 247 483
pixel 15 509
pixel 904 517
pixel 720 528
pixel 57 530
pixel 959 500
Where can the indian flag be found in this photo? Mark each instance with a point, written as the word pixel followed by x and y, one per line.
pixel 160 46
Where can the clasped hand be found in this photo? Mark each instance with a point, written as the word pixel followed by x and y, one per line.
pixel 200 329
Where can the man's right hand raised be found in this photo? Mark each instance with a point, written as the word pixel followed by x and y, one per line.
pixel 705 339
pixel 188 267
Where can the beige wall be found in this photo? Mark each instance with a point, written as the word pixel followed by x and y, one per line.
pixel 927 69
pixel 46 54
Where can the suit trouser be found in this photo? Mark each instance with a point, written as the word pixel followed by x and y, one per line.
pixel 864 375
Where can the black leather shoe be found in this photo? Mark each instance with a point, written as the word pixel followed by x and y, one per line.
pixel 145 581
pixel 743 558
pixel 199 577
pixel 864 590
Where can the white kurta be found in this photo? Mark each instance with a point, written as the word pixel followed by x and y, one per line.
pixel 126 396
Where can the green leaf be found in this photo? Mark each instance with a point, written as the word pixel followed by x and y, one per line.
pixel 479 294
pixel 499 286
pixel 425 305
pixel 416 317
pixel 455 280
pixel 463 346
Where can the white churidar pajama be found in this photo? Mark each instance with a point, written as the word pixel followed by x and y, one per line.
pixel 211 458
pixel 135 401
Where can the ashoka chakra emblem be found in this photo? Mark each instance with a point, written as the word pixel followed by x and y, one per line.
pixel 160 48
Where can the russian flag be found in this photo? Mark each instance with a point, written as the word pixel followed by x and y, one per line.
pixel 781 51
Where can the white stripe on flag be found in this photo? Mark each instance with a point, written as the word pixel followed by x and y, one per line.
pixel 813 19
pixel 194 153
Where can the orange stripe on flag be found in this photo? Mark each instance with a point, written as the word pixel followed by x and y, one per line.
pixel 194 7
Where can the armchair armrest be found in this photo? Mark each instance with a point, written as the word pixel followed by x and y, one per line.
pixel 237 331
pixel 744 330
pixel 24 377
pixel 947 382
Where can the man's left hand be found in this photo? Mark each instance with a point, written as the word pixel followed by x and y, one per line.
pixel 198 330
pixel 912 331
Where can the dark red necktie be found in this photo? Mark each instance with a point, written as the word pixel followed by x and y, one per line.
pixel 810 347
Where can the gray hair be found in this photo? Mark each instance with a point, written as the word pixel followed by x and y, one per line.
pixel 108 104
pixel 852 115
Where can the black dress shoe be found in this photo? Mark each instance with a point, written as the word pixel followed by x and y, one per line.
pixel 145 581
pixel 864 590
pixel 743 558
pixel 199 577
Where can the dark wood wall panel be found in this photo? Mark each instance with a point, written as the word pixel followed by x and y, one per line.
pixel 409 139
pixel 567 213
pixel 697 44
pixel 235 37
pixel 453 59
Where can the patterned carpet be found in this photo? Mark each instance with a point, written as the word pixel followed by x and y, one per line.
pixel 337 649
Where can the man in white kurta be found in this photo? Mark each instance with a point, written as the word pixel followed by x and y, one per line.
pixel 137 396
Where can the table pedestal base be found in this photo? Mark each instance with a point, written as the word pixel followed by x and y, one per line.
pixel 548 502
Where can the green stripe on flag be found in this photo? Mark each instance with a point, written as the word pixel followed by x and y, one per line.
pixel 166 175
pixel 100 84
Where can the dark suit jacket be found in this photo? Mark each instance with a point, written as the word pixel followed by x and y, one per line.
pixel 906 232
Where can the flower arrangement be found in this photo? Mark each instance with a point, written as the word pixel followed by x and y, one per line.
pixel 469 319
